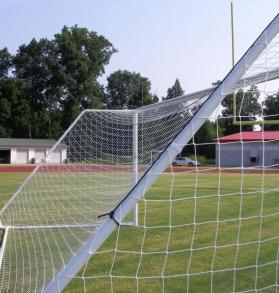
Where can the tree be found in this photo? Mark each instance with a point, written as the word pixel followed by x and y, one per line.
pixel 5 107
pixel 128 90
pixel 14 108
pixel 15 111
pixel 84 55
pixel 174 91
pixel 59 77
pixel 34 64
pixel 247 107
pixel 5 63
pixel 271 110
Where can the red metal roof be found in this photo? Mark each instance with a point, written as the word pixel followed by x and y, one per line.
pixel 250 136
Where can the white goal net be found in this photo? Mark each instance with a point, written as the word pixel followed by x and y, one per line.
pixel 211 227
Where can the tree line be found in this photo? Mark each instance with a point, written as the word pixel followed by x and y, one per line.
pixel 45 85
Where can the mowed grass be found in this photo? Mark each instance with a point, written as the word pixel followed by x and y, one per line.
pixel 9 182
pixel 196 233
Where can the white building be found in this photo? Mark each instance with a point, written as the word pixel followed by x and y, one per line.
pixel 26 151
pixel 252 148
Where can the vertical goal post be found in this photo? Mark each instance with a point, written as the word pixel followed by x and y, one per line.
pixel 135 162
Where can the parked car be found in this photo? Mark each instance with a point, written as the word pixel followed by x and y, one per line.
pixel 185 161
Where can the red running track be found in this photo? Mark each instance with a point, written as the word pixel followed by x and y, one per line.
pixel 110 168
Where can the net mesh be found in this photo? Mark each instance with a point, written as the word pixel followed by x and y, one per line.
pixel 54 213
pixel 201 228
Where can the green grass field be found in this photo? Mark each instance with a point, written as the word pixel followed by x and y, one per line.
pixel 208 246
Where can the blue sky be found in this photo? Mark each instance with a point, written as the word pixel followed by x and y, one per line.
pixel 161 39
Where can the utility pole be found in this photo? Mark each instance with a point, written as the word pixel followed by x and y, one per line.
pixel 232 33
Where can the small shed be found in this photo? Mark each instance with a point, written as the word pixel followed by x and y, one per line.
pixel 248 149
pixel 26 151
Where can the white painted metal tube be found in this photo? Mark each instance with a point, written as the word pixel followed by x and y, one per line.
pixel 135 162
pixel 95 241
pixel 3 245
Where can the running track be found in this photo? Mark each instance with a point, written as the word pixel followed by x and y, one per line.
pixel 94 168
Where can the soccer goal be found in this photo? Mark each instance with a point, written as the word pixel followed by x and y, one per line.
pixel 208 228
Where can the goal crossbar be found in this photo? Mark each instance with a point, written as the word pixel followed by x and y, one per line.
pixel 247 82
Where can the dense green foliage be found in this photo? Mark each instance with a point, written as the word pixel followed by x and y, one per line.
pixel 247 107
pixel 128 90
pixel 271 110
pixel 174 91
pixel 45 85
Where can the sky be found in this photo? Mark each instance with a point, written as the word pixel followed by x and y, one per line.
pixel 161 39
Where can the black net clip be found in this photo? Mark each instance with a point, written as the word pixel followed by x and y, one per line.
pixel 111 216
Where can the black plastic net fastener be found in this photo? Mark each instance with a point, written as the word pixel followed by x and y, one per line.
pixel 111 215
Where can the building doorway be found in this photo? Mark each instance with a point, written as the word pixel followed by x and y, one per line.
pixel 5 156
